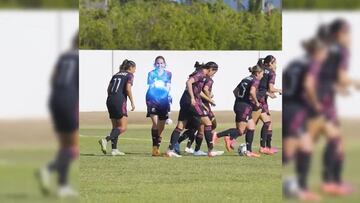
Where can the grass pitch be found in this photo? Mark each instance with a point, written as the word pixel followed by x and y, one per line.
pixel 139 177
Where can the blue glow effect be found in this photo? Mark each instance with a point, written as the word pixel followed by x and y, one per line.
pixel 158 92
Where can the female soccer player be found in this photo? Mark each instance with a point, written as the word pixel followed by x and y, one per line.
pixel 191 107
pixel 157 101
pixel 206 96
pixel 119 90
pixel 245 94
pixel 300 82
pixel 266 89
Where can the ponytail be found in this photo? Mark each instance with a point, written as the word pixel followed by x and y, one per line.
pixel 126 65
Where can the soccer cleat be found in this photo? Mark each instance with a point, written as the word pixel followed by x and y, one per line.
pixel 43 176
pixel 308 196
pixel 171 153
pixel 265 150
pixel 337 189
pixel 116 152
pixel 214 138
pixel 252 154
pixel 103 143
pixel 189 150
pixel 155 151
pixel 229 143
pixel 200 153
pixel 66 191
pixel 215 153
pixel 273 150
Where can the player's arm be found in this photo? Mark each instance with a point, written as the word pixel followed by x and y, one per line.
pixel 271 95
pixel 129 94
pixel 253 95
pixel 310 90
pixel 236 91
pixel 205 97
pixel 189 85
pixel 345 81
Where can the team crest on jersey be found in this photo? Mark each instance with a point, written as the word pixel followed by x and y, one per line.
pixel 153 110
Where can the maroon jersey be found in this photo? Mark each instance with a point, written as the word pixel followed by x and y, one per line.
pixel 244 87
pixel 208 83
pixel 266 80
pixel 199 80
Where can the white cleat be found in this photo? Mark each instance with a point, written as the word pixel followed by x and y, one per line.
pixel 116 152
pixel 189 150
pixel 171 153
pixel 103 143
pixel 200 153
pixel 43 175
pixel 66 191
pixel 215 153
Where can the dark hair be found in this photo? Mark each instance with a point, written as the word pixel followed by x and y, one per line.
pixel 160 57
pixel 75 41
pixel 255 69
pixel 211 65
pixel 327 32
pixel 198 65
pixel 314 44
pixel 337 25
pixel 263 62
pixel 126 65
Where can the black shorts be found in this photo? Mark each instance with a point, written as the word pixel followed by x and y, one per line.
pixel 294 119
pixel 188 111
pixel 116 108
pixel 193 124
pixel 242 111
pixel 162 111
pixel 64 113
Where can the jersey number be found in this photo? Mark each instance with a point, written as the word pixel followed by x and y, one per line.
pixel 242 90
pixel 116 84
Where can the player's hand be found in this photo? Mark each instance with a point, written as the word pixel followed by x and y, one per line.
pixel 258 104
pixel 193 102
pixel 280 91
pixel 212 102
pixel 132 106
pixel 272 95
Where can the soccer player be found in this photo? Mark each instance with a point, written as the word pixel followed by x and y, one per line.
pixel 266 89
pixel 206 97
pixel 64 103
pixel 301 103
pixel 246 99
pixel 119 90
pixel 157 101
pixel 191 106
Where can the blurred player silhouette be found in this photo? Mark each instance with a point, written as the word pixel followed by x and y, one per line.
pixel 64 102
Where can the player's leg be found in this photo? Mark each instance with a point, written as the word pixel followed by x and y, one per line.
pixel 249 137
pixel 265 133
pixel 174 138
pixel 198 141
pixel 119 127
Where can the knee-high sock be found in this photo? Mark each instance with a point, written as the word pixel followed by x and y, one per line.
pixel 114 143
pixel 191 138
pixel 329 160
pixel 249 137
pixel 269 138
pixel 155 137
pixel 198 140
pixel 232 132
pixel 61 165
pixel 174 138
pixel 302 168
pixel 264 134
pixel 208 137
pixel 115 132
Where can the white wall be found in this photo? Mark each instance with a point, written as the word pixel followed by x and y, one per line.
pixel 30 42
pixel 298 26
pixel 96 68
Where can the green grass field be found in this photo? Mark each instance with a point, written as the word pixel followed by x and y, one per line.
pixel 139 177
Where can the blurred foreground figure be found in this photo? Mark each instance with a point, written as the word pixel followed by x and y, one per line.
pixel 64 102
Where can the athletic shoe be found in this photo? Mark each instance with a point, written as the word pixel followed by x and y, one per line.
pixel 337 189
pixel 103 143
pixel 214 138
pixel 116 152
pixel 189 150
pixel 215 153
pixel 200 153
pixel 43 176
pixel 171 153
pixel 252 154
pixel 156 151
pixel 66 191
pixel 265 150
pixel 308 196
pixel 273 150
pixel 177 148
pixel 229 143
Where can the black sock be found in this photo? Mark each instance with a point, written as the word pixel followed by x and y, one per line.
pixel 114 143
pixel 329 160
pixel 183 136
pixel 269 138
pixel 249 137
pixel 229 132
pixel 338 165
pixel 198 140
pixel 191 138
pixel 115 132
pixel 61 165
pixel 155 137
pixel 302 168
pixel 264 134
pixel 174 138
pixel 208 137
